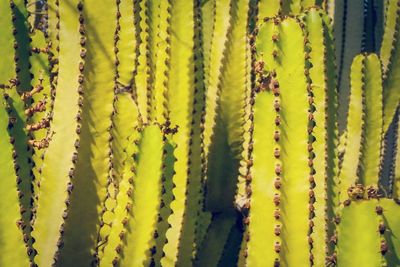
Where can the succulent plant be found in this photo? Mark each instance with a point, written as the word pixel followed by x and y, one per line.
pixel 199 133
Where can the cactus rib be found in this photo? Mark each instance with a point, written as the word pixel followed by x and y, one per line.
pixel 179 101
pixel 390 61
pixel 91 177
pixel 12 245
pixel 55 181
pixel 146 199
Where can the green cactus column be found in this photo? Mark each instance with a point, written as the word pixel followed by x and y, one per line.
pixel 390 227
pixel 280 174
pixel 322 75
pixel 12 247
pixel 228 128
pixel 14 75
pixel 14 226
pixel 360 171
pixel 390 62
pixel 21 26
pixel 396 167
pixel 360 221
pixel 91 172
pixel 123 146
pixel 216 56
pixel 349 37
pixel 361 158
pixel 262 223
pixel 127 43
pixel 146 200
pixel 58 165
pixel 185 102
pixel 229 136
pixel 143 72
pixel 161 61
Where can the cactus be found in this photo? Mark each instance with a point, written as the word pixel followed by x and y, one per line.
pixel 199 133
pixel 55 182
pixel 142 235
pixel 12 225
pixel 359 215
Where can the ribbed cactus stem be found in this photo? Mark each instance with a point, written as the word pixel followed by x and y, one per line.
pixel 143 70
pixel 228 154
pixel 11 224
pixel 58 166
pixel 107 213
pixel 391 62
pixel 349 29
pixel 143 211
pixel 362 156
pixel 125 110
pixel 16 170
pixel 166 199
pixel 323 128
pixel 161 61
pixel 216 60
pixel 185 104
pixel 396 163
pixel 360 220
pixel 23 44
pixel 264 216
pixel 229 139
pixel 53 37
pixel 126 43
pixel 271 8
pixel 348 172
pixel 373 132
pixel 268 8
pixel 110 251
pixel 285 76
pixel 91 176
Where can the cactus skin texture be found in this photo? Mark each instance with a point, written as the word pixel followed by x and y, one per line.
pixel 98 85
pixel 284 59
pixel 359 215
pixel 390 61
pixel 11 225
pixel 377 248
pixel 146 199
pixel 322 75
pixel 396 167
pixel 55 179
pixel 364 125
pixel 199 133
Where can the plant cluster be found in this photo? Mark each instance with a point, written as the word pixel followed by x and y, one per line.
pixel 199 133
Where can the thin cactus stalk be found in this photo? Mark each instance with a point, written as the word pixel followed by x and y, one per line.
pixel 322 75
pixel 395 167
pixel 143 212
pixel 98 85
pixel 390 61
pixel 55 182
pixel 199 133
pixel 12 225
pixel 16 170
pixel 123 147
